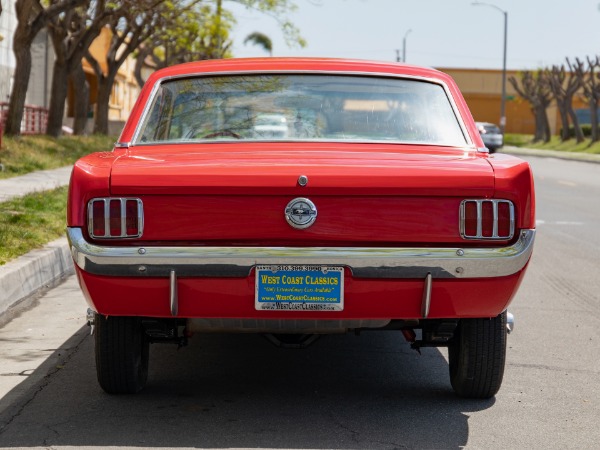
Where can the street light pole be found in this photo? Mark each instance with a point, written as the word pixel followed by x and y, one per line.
pixel 503 99
pixel 404 46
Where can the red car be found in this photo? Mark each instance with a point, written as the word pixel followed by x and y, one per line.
pixel 300 197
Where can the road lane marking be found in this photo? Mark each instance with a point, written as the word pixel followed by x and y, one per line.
pixel 559 222
pixel 567 183
pixel 566 222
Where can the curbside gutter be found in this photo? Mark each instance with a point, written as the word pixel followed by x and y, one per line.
pixel 23 278
pixel 33 273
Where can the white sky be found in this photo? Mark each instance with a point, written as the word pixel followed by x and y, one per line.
pixel 445 33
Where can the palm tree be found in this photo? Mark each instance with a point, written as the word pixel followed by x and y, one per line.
pixel 261 40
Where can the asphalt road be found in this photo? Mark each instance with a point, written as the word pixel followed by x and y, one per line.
pixel 371 391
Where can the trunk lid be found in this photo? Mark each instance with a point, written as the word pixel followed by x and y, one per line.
pixel 219 193
pixel 331 168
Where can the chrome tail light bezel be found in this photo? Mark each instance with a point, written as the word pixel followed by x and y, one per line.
pixel 479 203
pixel 106 201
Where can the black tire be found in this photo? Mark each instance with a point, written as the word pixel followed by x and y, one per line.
pixel 122 350
pixel 477 355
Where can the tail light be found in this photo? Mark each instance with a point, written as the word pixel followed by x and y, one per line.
pixel 115 218
pixel 487 219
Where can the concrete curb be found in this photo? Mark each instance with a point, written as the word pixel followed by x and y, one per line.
pixel 33 273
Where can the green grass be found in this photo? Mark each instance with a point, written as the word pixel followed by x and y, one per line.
pixel 31 221
pixel 30 153
pixel 525 140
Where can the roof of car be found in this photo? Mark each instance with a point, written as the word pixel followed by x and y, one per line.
pixel 296 65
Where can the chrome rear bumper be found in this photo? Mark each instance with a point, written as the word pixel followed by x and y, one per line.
pixel 374 262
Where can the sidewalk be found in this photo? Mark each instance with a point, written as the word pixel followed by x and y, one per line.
pixel 42 180
pixel 39 270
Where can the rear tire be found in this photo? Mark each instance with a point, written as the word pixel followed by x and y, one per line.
pixel 122 350
pixel 477 355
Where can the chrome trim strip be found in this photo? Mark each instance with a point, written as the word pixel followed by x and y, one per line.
pixel 426 302
pixel 372 262
pixel 124 219
pixel 173 298
pixel 106 218
pixel 121 144
pixel 495 219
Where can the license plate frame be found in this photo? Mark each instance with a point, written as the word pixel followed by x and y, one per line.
pixel 308 288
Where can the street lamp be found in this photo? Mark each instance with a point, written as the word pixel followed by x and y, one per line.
pixel 503 99
pixel 404 46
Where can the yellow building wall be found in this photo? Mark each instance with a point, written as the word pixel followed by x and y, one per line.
pixel 125 90
pixel 482 89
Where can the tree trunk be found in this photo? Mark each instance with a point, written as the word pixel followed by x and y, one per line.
pixel 575 121
pixel 539 124
pixel 542 125
pixel 22 50
pixel 58 96
pixel 564 120
pixel 102 101
pixel 139 65
pixel 81 89
pixel 545 124
pixel 594 119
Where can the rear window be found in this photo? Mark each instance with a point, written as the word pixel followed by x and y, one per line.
pixel 301 108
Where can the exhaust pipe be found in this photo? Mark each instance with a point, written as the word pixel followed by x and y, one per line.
pixel 510 322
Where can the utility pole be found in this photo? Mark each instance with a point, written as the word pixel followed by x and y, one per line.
pixel 404 46
pixel 503 99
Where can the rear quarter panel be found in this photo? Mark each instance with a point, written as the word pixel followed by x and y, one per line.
pixel 514 181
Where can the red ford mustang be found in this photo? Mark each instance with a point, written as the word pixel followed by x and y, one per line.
pixel 299 197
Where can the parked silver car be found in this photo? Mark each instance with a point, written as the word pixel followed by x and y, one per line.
pixel 491 135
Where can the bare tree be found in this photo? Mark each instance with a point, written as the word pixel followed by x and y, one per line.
pixel 32 16
pixel 591 90
pixel 534 88
pixel 72 33
pixel 135 22
pixel 81 100
pixel 564 85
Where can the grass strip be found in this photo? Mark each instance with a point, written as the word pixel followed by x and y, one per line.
pixel 571 145
pixel 26 154
pixel 30 222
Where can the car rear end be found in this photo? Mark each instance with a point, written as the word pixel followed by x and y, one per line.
pixel 373 207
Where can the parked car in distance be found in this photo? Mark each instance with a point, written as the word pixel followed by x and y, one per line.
pixel 271 126
pixel 296 198
pixel 491 135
